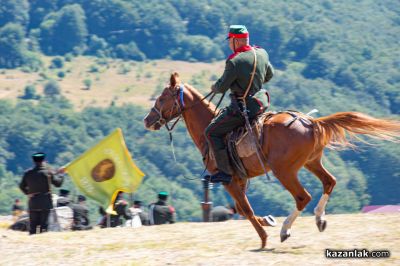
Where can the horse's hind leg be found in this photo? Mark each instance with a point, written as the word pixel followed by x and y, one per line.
pixel 328 181
pixel 238 193
pixel 290 181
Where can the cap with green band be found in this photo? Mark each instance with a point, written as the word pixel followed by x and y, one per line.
pixel 238 31
pixel 38 156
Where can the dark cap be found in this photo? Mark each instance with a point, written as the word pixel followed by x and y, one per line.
pixel 137 202
pixel 163 195
pixel 81 198
pixel 38 156
pixel 64 192
pixel 238 31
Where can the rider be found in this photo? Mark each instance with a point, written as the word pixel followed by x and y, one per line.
pixel 237 77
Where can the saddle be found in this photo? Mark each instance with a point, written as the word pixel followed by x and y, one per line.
pixel 241 144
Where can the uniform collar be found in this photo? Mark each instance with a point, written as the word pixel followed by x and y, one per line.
pixel 239 50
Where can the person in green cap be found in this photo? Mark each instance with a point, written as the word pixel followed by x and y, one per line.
pixel 160 212
pixel 246 70
pixel 36 183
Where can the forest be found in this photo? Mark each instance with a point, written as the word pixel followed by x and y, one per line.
pixel 330 55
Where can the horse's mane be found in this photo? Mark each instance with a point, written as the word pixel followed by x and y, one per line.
pixel 209 105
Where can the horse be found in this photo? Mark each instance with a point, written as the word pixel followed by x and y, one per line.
pixel 285 149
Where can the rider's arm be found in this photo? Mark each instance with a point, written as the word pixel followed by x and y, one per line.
pixel 224 83
pixel 270 72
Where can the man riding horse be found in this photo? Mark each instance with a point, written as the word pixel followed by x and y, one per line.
pixel 245 72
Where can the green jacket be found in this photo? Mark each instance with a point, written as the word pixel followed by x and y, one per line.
pixel 238 69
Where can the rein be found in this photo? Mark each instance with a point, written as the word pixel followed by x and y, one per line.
pixel 180 106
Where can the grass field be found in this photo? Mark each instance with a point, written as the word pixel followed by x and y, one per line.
pixel 226 243
pixel 110 80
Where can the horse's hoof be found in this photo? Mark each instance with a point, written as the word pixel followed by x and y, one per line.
pixel 270 220
pixel 321 224
pixel 285 236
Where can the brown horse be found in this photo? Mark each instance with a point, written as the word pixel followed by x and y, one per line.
pixel 286 148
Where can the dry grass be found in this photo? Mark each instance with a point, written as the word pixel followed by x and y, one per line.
pixel 108 83
pixel 226 243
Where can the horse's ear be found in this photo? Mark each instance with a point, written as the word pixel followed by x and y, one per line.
pixel 174 79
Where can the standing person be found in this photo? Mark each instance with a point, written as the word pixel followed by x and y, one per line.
pixel 17 209
pixel 143 215
pixel 63 199
pixel 81 215
pixel 36 183
pixel 122 211
pixel 245 72
pixel 160 212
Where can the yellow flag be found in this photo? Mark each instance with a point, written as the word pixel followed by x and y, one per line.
pixel 105 169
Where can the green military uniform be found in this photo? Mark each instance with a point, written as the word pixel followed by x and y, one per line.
pixel 80 215
pixel 160 212
pixel 236 77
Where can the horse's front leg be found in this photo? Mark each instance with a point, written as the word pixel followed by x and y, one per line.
pixel 235 189
pixel 268 220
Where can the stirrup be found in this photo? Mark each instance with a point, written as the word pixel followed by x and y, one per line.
pixel 219 177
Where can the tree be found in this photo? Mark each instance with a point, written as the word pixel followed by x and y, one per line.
pixel 52 89
pixel 57 62
pixel 88 83
pixel 69 21
pixel 13 52
pixel 14 11
pixel 30 92
pixel 129 51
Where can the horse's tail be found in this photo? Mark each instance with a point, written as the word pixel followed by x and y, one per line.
pixel 336 130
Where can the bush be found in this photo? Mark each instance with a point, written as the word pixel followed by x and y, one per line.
pixel 61 74
pixel 30 93
pixel 87 83
pixel 57 62
pixel 52 89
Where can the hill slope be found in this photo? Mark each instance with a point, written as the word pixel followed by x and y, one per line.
pixel 226 243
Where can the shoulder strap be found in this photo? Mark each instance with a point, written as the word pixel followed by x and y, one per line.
pixel 252 74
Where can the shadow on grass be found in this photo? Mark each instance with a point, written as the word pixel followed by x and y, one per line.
pixel 292 250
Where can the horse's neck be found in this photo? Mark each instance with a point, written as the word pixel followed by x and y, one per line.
pixel 197 117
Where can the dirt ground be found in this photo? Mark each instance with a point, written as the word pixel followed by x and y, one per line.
pixel 225 243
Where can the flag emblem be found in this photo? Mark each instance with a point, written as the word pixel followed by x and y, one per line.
pixel 103 171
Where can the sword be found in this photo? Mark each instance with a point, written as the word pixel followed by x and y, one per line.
pixel 250 130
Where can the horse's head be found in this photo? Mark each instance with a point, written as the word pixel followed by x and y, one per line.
pixel 167 106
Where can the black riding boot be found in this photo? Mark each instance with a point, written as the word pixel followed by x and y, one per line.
pixel 225 171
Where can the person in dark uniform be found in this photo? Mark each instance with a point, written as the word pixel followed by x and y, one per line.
pixel 222 213
pixel 80 215
pixel 36 183
pixel 143 215
pixel 17 209
pixel 122 209
pixel 63 199
pixel 160 212
pixel 245 72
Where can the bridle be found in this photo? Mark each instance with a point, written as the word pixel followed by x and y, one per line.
pixel 178 105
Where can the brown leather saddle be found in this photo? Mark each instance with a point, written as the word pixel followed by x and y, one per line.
pixel 241 144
